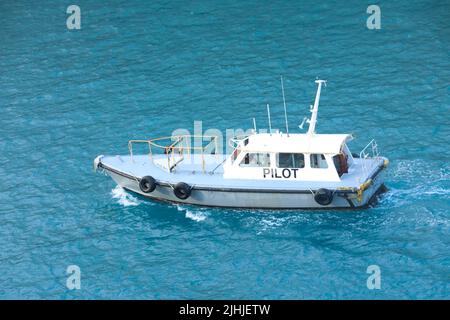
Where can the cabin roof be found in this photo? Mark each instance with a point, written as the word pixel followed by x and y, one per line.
pixel 302 143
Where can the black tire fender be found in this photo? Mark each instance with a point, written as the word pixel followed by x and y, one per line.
pixel 323 196
pixel 147 184
pixel 182 190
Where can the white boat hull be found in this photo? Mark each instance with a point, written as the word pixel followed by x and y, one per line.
pixel 251 198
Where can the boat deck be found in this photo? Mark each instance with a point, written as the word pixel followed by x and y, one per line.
pixel 190 170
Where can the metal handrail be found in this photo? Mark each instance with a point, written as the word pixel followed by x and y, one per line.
pixel 179 137
pixel 367 153
pixel 130 147
pixel 374 146
pixel 169 149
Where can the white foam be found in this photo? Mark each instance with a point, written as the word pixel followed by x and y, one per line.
pixel 409 170
pixel 123 197
pixel 197 216
pixel 438 191
pixel 419 180
pixel 272 222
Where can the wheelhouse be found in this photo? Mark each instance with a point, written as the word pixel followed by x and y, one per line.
pixel 318 157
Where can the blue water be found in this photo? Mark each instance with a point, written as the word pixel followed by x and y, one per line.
pixel 142 69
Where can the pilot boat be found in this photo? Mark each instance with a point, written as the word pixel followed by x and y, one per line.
pixel 272 170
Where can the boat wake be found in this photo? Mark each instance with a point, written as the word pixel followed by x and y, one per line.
pixel 196 216
pixel 124 198
pixel 271 223
pixel 404 188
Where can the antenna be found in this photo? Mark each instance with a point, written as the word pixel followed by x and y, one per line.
pixel 313 121
pixel 270 123
pixel 284 104
pixel 254 125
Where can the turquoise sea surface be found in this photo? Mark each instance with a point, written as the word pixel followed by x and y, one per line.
pixel 141 69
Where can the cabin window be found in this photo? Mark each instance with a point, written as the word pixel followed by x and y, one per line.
pixel 290 160
pixel 318 161
pixel 340 162
pixel 235 154
pixel 256 160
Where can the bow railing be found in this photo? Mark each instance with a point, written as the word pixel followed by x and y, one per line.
pixel 176 148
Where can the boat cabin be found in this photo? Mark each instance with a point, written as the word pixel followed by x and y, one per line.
pixel 277 156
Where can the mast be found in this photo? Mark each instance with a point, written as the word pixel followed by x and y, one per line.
pixel 313 121
pixel 284 104
pixel 270 122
